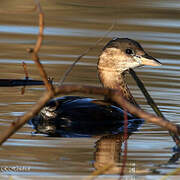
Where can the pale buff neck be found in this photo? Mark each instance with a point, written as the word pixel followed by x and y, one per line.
pixel 112 78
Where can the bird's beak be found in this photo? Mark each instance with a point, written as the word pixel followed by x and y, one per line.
pixel 149 60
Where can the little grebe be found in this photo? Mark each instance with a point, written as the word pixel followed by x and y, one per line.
pixel 80 116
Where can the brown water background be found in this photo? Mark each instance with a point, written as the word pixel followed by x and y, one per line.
pixel 71 27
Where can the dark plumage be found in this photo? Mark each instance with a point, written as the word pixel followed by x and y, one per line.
pixel 79 116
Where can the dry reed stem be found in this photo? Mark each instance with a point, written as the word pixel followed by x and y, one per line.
pixel 68 89
pixel 151 102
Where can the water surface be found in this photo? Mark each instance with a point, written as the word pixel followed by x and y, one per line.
pixel 71 28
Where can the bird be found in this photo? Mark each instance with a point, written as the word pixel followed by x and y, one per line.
pixel 76 116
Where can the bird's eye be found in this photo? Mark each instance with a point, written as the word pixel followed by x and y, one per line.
pixel 129 51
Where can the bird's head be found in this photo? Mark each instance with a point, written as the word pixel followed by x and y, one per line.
pixel 120 54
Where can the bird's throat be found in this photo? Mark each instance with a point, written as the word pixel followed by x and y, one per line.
pixel 116 80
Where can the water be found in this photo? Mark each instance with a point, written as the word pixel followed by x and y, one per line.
pixel 71 28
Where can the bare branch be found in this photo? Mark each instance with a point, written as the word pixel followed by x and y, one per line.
pixel 67 89
pixel 37 47
pixel 15 125
pixel 116 97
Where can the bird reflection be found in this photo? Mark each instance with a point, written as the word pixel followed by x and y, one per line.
pixel 109 151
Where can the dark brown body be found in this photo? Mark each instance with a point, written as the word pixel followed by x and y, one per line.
pixel 77 116
pixel 74 116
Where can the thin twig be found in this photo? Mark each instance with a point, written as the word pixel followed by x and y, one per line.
pixel 152 103
pixel 37 47
pixel 25 70
pixel 83 54
pixel 26 77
